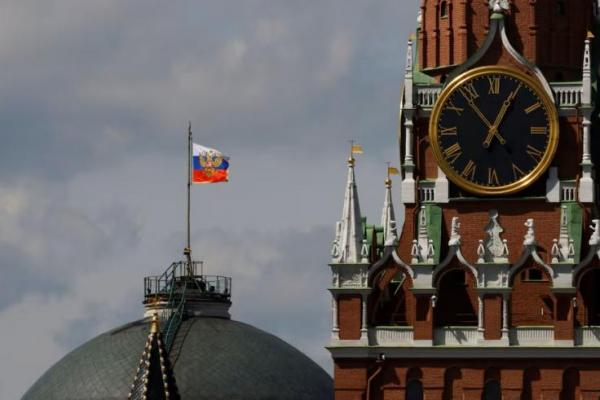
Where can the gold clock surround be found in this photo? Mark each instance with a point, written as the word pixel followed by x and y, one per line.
pixel 527 179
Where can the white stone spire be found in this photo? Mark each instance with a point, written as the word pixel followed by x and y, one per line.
pixel 388 217
pixel 348 243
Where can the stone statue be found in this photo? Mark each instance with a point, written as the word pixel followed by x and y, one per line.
pixel 530 236
pixel 454 235
pixel 595 238
pixel 499 6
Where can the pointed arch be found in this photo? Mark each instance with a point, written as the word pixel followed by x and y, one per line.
pixel 457 301
pixel 452 384
pixel 570 385
pixel 414 385
pixel 492 389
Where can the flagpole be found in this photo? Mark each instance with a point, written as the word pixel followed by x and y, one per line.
pixel 188 249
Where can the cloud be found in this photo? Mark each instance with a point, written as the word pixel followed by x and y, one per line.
pixel 92 164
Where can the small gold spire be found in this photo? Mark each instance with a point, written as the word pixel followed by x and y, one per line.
pixel 154 327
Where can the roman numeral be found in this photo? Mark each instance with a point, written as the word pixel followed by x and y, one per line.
pixel 493 177
pixel 517 172
pixel 534 153
pixel 494 85
pixel 533 107
pixel 469 92
pixel 469 170
pixel 452 153
pixel 448 131
pixel 539 130
pixel 452 107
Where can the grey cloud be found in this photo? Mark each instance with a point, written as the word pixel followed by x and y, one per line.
pixel 95 99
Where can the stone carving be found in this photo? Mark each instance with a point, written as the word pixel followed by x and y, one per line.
pixel 495 248
pixel 422 250
pixel 595 238
pixel 563 249
pixel 529 238
pixel 499 6
pixel 364 252
pixel 454 235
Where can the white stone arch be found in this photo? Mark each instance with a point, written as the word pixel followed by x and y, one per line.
pixel 530 251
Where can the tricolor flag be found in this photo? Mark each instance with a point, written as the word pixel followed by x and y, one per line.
pixel 209 165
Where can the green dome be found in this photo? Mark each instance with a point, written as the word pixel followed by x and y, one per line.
pixel 212 358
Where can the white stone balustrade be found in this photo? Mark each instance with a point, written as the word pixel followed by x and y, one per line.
pixel 532 336
pixel 567 95
pixel 426 191
pixel 391 336
pixel 587 336
pixel 456 336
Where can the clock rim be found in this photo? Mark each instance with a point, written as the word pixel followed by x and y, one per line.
pixel 526 180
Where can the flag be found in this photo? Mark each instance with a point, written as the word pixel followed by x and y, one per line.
pixel 357 149
pixel 393 171
pixel 209 165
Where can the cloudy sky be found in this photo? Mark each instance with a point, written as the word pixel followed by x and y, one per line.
pixel 95 97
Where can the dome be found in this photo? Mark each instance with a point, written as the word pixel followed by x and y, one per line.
pixel 212 358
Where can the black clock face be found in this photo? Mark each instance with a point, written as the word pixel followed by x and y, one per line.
pixel 494 131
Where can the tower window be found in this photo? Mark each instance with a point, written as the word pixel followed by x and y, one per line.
pixel 444 9
pixel 561 8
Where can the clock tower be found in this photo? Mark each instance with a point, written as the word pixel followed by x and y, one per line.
pixel 490 289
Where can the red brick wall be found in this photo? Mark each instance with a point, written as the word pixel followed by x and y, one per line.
pixel 453 379
pixel 349 314
pixel 492 317
pixel 533 27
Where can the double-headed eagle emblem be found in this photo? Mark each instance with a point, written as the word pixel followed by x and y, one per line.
pixel 210 160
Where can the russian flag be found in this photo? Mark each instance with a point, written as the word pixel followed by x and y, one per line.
pixel 209 165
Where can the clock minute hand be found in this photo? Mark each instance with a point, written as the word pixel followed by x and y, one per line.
pixel 494 128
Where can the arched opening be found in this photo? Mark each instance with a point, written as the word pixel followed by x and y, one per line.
pixel 570 386
pixel 444 9
pixel 590 296
pixel 491 388
pixel 532 302
pixel 452 384
pixel 492 391
pixel 457 299
pixel 531 384
pixel 395 302
pixel 414 387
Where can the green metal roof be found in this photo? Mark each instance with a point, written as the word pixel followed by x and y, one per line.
pixel 213 359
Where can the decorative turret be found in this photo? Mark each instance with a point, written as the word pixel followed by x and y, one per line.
pixel 348 246
pixel 388 217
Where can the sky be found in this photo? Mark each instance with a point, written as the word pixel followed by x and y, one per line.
pixel 95 98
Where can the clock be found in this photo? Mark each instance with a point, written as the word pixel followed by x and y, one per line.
pixel 494 130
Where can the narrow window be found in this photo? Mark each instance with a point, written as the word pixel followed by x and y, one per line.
pixel 536 275
pixel 414 390
pixel 491 391
pixel 443 9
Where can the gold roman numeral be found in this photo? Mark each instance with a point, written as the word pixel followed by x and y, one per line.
pixel 448 131
pixel 452 153
pixel 494 85
pixel 452 107
pixel 534 153
pixel 469 170
pixel 469 92
pixel 517 172
pixel 493 177
pixel 533 107
pixel 539 130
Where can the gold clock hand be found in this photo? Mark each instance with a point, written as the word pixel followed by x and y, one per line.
pixel 494 128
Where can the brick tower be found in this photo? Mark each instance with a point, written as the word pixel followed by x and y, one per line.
pixel 491 288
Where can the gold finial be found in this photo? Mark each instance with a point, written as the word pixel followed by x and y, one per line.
pixel 354 149
pixel 390 171
pixel 154 327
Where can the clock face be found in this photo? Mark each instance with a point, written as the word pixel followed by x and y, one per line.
pixel 494 131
